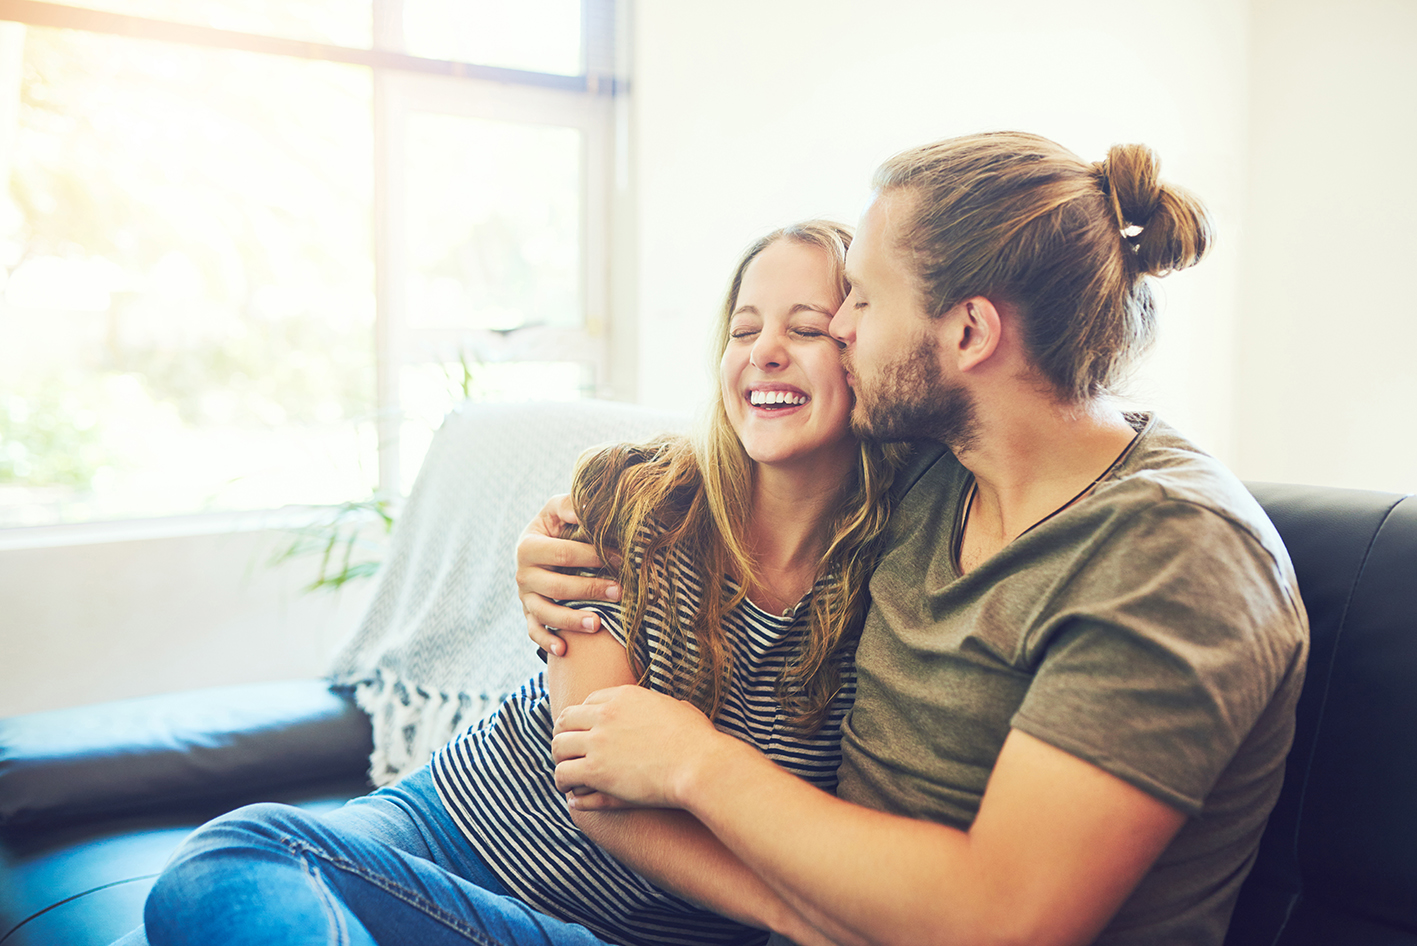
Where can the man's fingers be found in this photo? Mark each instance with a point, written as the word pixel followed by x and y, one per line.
pixel 543 560
pixel 557 617
pixel 536 552
pixel 547 638
pixel 547 584
pixel 561 507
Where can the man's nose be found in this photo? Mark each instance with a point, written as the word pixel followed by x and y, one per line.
pixel 843 324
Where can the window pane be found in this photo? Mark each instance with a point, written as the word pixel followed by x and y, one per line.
pixel 536 35
pixel 494 222
pixel 340 22
pixel 187 318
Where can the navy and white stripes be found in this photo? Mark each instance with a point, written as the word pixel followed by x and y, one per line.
pixel 496 781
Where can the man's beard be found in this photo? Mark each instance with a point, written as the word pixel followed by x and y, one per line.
pixel 911 400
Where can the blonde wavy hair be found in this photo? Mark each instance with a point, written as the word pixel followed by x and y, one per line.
pixel 683 503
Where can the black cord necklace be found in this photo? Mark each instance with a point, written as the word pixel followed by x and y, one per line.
pixel 968 503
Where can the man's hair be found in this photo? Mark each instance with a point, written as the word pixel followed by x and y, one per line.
pixel 1021 220
pixel 679 502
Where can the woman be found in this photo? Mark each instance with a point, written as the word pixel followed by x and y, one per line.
pixel 746 553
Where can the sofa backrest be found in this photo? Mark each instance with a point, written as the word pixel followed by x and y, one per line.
pixel 444 639
pixel 1338 862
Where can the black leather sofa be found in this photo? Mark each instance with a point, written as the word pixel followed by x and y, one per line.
pixel 93 799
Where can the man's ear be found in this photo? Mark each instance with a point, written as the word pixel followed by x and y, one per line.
pixel 975 330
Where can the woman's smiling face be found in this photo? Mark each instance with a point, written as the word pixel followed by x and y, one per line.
pixel 784 387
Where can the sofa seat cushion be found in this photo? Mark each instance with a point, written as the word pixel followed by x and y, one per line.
pixel 93 800
pixel 84 884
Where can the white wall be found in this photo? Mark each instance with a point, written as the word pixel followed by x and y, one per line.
pixel 1291 351
pixel 1327 333
pixel 87 623
pixel 749 115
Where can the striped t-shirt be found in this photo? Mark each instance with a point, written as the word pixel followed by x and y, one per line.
pixel 497 781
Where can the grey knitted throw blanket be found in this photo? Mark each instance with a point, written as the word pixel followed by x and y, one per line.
pixel 444 640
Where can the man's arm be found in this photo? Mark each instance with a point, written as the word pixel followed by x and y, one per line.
pixel 542 558
pixel 672 848
pixel 1057 845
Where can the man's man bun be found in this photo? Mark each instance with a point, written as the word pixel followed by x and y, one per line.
pixel 1166 228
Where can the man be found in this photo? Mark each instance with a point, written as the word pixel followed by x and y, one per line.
pixel 1078 675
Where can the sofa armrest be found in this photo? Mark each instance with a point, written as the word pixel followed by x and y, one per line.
pixel 146 754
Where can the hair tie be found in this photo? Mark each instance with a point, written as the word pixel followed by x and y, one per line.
pixel 1104 181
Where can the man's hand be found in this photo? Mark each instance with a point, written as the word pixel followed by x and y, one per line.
pixel 635 745
pixel 1055 849
pixel 540 553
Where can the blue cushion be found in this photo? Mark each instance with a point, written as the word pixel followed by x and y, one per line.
pixel 146 753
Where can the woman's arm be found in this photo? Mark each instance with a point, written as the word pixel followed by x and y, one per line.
pixel 672 848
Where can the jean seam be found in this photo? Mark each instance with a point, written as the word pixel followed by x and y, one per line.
pixel 332 914
pixel 413 899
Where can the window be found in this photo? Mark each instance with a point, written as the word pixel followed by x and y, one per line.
pixel 253 250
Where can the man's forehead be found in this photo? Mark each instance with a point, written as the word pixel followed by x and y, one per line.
pixel 891 208
pixel 877 235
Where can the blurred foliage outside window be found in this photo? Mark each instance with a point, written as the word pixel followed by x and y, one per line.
pixel 188 302
pixel 187 281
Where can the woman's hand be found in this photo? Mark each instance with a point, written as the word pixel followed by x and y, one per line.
pixel 634 746
pixel 540 553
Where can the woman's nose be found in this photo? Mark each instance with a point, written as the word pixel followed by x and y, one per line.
pixel 769 351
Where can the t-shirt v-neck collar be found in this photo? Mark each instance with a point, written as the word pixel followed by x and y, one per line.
pixel 1142 422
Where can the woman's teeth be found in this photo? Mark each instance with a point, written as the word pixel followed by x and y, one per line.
pixel 775 398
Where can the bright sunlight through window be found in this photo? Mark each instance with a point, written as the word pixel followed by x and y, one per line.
pixel 193 245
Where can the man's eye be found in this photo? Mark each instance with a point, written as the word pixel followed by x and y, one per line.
pixel 859 305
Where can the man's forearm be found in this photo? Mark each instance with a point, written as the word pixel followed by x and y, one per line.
pixel 871 877
pixel 676 851
pixel 1056 848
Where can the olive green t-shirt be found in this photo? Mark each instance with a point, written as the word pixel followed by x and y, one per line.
pixel 1153 629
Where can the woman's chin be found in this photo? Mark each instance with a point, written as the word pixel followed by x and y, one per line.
pixel 814 458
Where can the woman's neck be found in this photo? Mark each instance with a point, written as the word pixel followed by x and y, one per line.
pixel 788 530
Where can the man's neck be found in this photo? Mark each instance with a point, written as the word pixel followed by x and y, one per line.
pixel 1030 462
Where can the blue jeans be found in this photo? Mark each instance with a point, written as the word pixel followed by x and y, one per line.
pixel 389 868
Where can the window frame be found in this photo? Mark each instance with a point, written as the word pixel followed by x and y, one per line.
pixel 593 102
